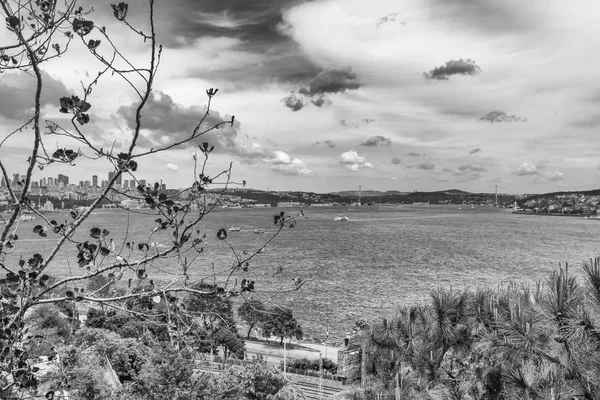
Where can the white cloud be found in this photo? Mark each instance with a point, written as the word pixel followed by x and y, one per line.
pixel 282 162
pixel 172 167
pixel 354 161
pixel 539 172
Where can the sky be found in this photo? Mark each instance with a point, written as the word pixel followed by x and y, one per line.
pixel 332 94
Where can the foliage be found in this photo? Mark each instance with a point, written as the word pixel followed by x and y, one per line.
pixel 253 381
pixel 511 343
pixel 280 322
pixel 99 260
pixel 313 365
pixel 253 312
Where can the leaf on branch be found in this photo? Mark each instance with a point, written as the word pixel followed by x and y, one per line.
pixel 82 27
pixel 222 234
pixel 93 44
pixel 13 22
pixel 105 232
pixel 69 294
pixel 120 10
pixel 104 251
pixel 143 246
pixel 37 229
pixel 95 233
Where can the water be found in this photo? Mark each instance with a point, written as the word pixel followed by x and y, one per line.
pixel 385 256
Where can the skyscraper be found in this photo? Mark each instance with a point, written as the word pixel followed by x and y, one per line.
pixel 95 180
pixel 125 184
pixel 62 178
pixel 111 175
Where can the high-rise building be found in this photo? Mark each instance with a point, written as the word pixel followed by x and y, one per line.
pixel 95 180
pixel 80 184
pixel 87 184
pixel 132 183
pixel 62 178
pixel 50 181
pixel 16 178
pixel 119 179
pixel 125 184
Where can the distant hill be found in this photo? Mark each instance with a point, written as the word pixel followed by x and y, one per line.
pixel 368 193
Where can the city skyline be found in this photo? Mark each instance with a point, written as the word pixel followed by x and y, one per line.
pixel 330 94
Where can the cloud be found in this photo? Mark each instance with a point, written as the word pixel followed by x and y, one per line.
pixel 527 169
pixel 321 101
pixel 293 102
pixel 538 172
pixel 375 141
pixel 172 167
pixel 396 160
pixel 390 18
pixel 165 122
pixel 469 172
pixel 282 162
pixel 331 81
pixel 477 150
pixel 453 67
pixel 328 143
pixel 353 161
pixel 501 116
pixel 413 154
pixel 18 90
pixel 327 82
pixel 426 166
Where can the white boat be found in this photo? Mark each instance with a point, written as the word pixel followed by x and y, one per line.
pixel 342 218
pixel 26 218
pixel 259 231
pixel 235 229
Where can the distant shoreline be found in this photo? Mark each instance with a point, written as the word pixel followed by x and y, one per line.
pixel 557 215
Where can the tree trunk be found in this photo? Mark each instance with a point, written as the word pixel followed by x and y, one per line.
pixel 250 330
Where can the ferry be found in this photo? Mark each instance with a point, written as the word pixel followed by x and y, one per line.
pixel 342 218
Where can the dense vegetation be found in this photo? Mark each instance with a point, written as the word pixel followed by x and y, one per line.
pixel 510 343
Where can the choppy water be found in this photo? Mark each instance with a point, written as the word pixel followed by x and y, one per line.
pixel 383 257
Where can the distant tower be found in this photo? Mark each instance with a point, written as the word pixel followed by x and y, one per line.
pixel 359 195
pixel 95 180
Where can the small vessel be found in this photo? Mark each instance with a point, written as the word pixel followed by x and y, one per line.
pixel 26 218
pixel 342 218
pixel 259 231
pixel 235 229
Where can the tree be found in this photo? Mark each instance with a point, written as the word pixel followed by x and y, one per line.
pixel 280 322
pixel 45 32
pixel 253 312
pixel 254 381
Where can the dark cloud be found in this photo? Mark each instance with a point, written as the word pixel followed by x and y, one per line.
pixel 390 18
pixel 321 101
pixel 501 116
pixel 256 27
pixel 165 122
pixel 426 166
pixel 413 154
pixel 331 81
pixel 327 82
pixel 18 91
pixel 376 141
pixel 477 150
pixel 453 67
pixel 396 160
pixel 293 102
pixel 327 143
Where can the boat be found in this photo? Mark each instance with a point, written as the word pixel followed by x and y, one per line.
pixel 234 229
pixel 342 218
pixel 259 231
pixel 26 218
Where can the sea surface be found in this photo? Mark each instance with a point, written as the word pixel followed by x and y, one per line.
pixel 382 258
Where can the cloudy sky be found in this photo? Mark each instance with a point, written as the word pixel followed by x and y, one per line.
pixel 332 94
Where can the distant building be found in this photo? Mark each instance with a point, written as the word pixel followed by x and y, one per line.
pixel 48 206
pixel 130 203
pixel 290 204
pixel 63 178
pixel 95 180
